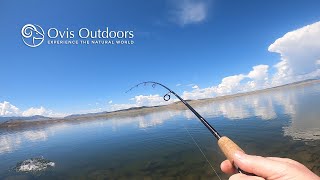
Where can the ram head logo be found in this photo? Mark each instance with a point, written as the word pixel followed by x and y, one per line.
pixel 32 35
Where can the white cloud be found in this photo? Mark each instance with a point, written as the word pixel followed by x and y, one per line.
pixel 141 100
pixel 199 93
pixel 110 102
pixel 190 11
pixel 300 53
pixel 229 84
pixel 257 79
pixel 195 87
pixel 35 111
pixel 7 109
pixel 259 73
pixel 41 111
pixel 151 100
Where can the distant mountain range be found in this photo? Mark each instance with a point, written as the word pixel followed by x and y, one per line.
pixel 30 118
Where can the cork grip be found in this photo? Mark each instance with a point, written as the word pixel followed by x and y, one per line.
pixel 228 147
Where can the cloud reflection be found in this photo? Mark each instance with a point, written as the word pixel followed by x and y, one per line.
pixel 12 141
pixel 295 103
pixel 241 107
pixel 304 112
pixel 9 143
pixel 146 121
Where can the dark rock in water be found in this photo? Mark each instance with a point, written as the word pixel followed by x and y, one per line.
pixel 34 164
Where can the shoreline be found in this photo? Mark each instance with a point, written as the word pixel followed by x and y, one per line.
pixel 137 111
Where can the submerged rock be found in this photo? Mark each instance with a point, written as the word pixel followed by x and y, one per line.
pixel 34 164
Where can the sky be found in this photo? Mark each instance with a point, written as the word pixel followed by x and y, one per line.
pixel 198 48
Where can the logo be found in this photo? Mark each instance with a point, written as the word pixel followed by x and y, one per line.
pixel 32 35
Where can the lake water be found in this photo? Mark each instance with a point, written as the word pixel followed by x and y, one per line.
pixel 283 123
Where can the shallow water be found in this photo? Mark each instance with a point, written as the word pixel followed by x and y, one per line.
pixel 282 123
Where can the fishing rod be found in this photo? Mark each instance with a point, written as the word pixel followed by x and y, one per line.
pixel 227 146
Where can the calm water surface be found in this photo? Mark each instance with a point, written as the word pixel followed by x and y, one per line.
pixel 282 123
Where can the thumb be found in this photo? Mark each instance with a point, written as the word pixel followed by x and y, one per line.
pixel 258 165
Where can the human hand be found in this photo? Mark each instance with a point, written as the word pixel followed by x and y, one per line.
pixel 271 168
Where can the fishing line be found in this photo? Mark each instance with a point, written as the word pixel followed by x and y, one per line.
pixel 203 154
pixel 227 146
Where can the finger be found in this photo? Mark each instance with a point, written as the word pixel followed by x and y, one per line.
pixel 244 177
pixel 286 160
pixel 227 167
pixel 258 165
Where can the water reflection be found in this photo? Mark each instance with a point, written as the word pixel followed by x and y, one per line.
pixel 299 104
pixel 10 142
pixel 146 121
pixel 305 118
pixel 296 103
pixel 261 106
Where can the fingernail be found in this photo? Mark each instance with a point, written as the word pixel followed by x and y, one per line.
pixel 239 155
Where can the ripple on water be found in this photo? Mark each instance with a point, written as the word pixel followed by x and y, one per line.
pixel 34 164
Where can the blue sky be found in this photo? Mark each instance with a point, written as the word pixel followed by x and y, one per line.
pixel 183 44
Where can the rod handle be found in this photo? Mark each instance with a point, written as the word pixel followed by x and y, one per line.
pixel 228 147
